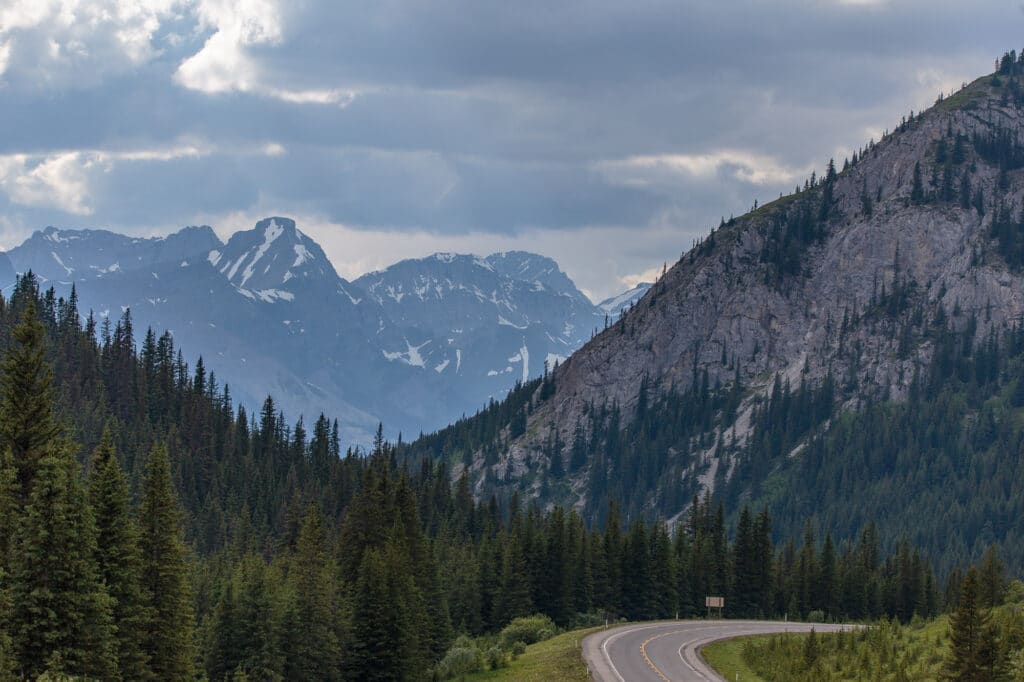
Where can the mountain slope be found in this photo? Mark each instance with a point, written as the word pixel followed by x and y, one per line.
pixel 844 296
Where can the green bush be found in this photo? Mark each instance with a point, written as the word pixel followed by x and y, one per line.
pixel 816 617
pixel 529 630
pixel 462 658
pixel 496 657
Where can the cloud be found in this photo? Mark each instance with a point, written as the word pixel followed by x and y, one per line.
pixel 54 44
pixel 59 181
pixel 607 135
pixel 226 63
pixel 748 167
pixel 62 180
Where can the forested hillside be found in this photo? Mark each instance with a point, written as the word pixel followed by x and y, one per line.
pixel 849 352
pixel 148 530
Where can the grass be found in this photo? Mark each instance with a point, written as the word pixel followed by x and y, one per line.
pixel 726 656
pixel 968 97
pixel 558 658
pixel 884 652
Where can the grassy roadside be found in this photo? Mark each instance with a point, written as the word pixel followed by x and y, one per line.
pixel 886 651
pixel 558 658
pixel 725 656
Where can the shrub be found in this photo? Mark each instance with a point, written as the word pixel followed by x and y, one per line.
pixel 816 617
pixel 496 658
pixel 528 630
pixel 462 658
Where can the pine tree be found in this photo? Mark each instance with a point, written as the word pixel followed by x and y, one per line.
pixel 812 650
pixel 169 638
pixel 990 659
pixel 991 580
pixel 315 653
pixel 118 558
pixel 27 425
pixel 826 579
pixel 745 569
pixel 513 599
pixel 966 626
pixel 385 641
pixel 223 649
pixel 61 610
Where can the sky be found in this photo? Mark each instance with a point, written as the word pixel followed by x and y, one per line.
pixel 607 135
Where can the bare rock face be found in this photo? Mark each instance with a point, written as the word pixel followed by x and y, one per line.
pixel 727 301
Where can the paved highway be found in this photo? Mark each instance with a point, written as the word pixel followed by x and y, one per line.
pixel 669 651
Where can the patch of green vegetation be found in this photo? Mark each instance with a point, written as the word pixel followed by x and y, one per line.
pixel 726 656
pixel 558 658
pixel 887 651
pixel 968 97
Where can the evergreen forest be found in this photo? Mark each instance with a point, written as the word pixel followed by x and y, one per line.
pixel 149 529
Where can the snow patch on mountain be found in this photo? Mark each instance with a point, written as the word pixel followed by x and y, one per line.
pixel 552 359
pixel 270 235
pixel 502 321
pixel 61 262
pixel 616 304
pixel 302 255
pixel 410 356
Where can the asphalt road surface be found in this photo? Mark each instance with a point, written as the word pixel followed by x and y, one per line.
pixel 669 651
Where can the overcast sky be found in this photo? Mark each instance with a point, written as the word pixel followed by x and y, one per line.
pixel 607 135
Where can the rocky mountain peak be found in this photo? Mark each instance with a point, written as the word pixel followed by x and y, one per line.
pixel 534 268
pixel 274 260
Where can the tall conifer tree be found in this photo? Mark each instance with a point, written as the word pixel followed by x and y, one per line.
pixel 27 425
pixel 966 626
pixel 119 559
pixel 61 611
pixel 169 639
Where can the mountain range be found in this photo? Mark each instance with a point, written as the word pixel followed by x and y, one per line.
pixel 415 345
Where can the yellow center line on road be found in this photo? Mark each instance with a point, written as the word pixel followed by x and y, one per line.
pixel 643 652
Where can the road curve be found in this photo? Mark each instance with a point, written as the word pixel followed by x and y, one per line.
pixel 669 651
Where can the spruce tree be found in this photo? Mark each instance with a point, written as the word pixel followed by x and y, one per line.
pixel 27 425
pixel 745 568
pixel 991 579
pixel 61 610
pixel 513 599
pixel 169 638
pixel 315 653
pixel 223 648
pixel 966 626
pixel 385 641
pixel 118 558
pixel 989 658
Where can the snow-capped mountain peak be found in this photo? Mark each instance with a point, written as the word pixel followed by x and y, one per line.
pixel 273 261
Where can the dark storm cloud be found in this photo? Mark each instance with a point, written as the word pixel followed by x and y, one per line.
pixel 454 117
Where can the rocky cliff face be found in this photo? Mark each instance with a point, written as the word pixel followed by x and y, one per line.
pixel 841 278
